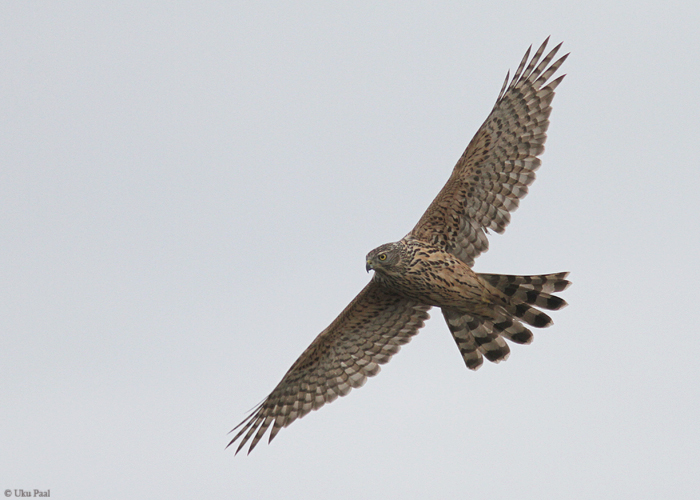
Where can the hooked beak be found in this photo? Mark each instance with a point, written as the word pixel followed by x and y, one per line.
pixel 368 266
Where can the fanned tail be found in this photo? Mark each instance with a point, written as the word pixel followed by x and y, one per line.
pixel 524 292
pixel 479 337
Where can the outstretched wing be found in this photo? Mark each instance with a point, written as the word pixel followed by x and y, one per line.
pixel 498 165
pixel 365 335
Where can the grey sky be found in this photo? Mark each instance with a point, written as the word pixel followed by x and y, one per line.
pixel 187 194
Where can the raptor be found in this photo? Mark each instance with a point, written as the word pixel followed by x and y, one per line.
pixel 432 266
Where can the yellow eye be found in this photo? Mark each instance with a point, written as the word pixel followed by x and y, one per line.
pixel 382 256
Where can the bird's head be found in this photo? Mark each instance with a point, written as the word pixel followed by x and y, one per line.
pixel 384 258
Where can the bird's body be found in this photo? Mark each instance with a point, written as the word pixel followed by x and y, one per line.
pixel 432 266
pixel 434 277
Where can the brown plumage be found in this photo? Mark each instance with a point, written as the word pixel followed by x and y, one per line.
pixel 431 266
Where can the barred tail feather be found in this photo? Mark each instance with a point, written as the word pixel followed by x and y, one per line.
pixel 513 330
pixel 461 326
pixel 529 315
pixel 510 284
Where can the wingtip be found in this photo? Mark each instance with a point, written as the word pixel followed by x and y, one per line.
pixel 240 447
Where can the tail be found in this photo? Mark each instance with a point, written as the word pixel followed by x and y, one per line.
pixel 477 336
pixel 522 292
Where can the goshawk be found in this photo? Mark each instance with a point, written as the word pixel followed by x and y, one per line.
pixel 432 266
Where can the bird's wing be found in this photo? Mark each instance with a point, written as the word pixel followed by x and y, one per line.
pixel 499 164
pixel 365 335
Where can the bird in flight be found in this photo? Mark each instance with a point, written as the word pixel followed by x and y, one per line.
pixel 432 266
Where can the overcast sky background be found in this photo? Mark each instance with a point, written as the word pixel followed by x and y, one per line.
pixel 187 194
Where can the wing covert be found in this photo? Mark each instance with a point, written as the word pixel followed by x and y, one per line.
pixel 499 164
pixel 365 335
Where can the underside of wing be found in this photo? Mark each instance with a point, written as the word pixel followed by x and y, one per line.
pixel 365 335
pixel 499 164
